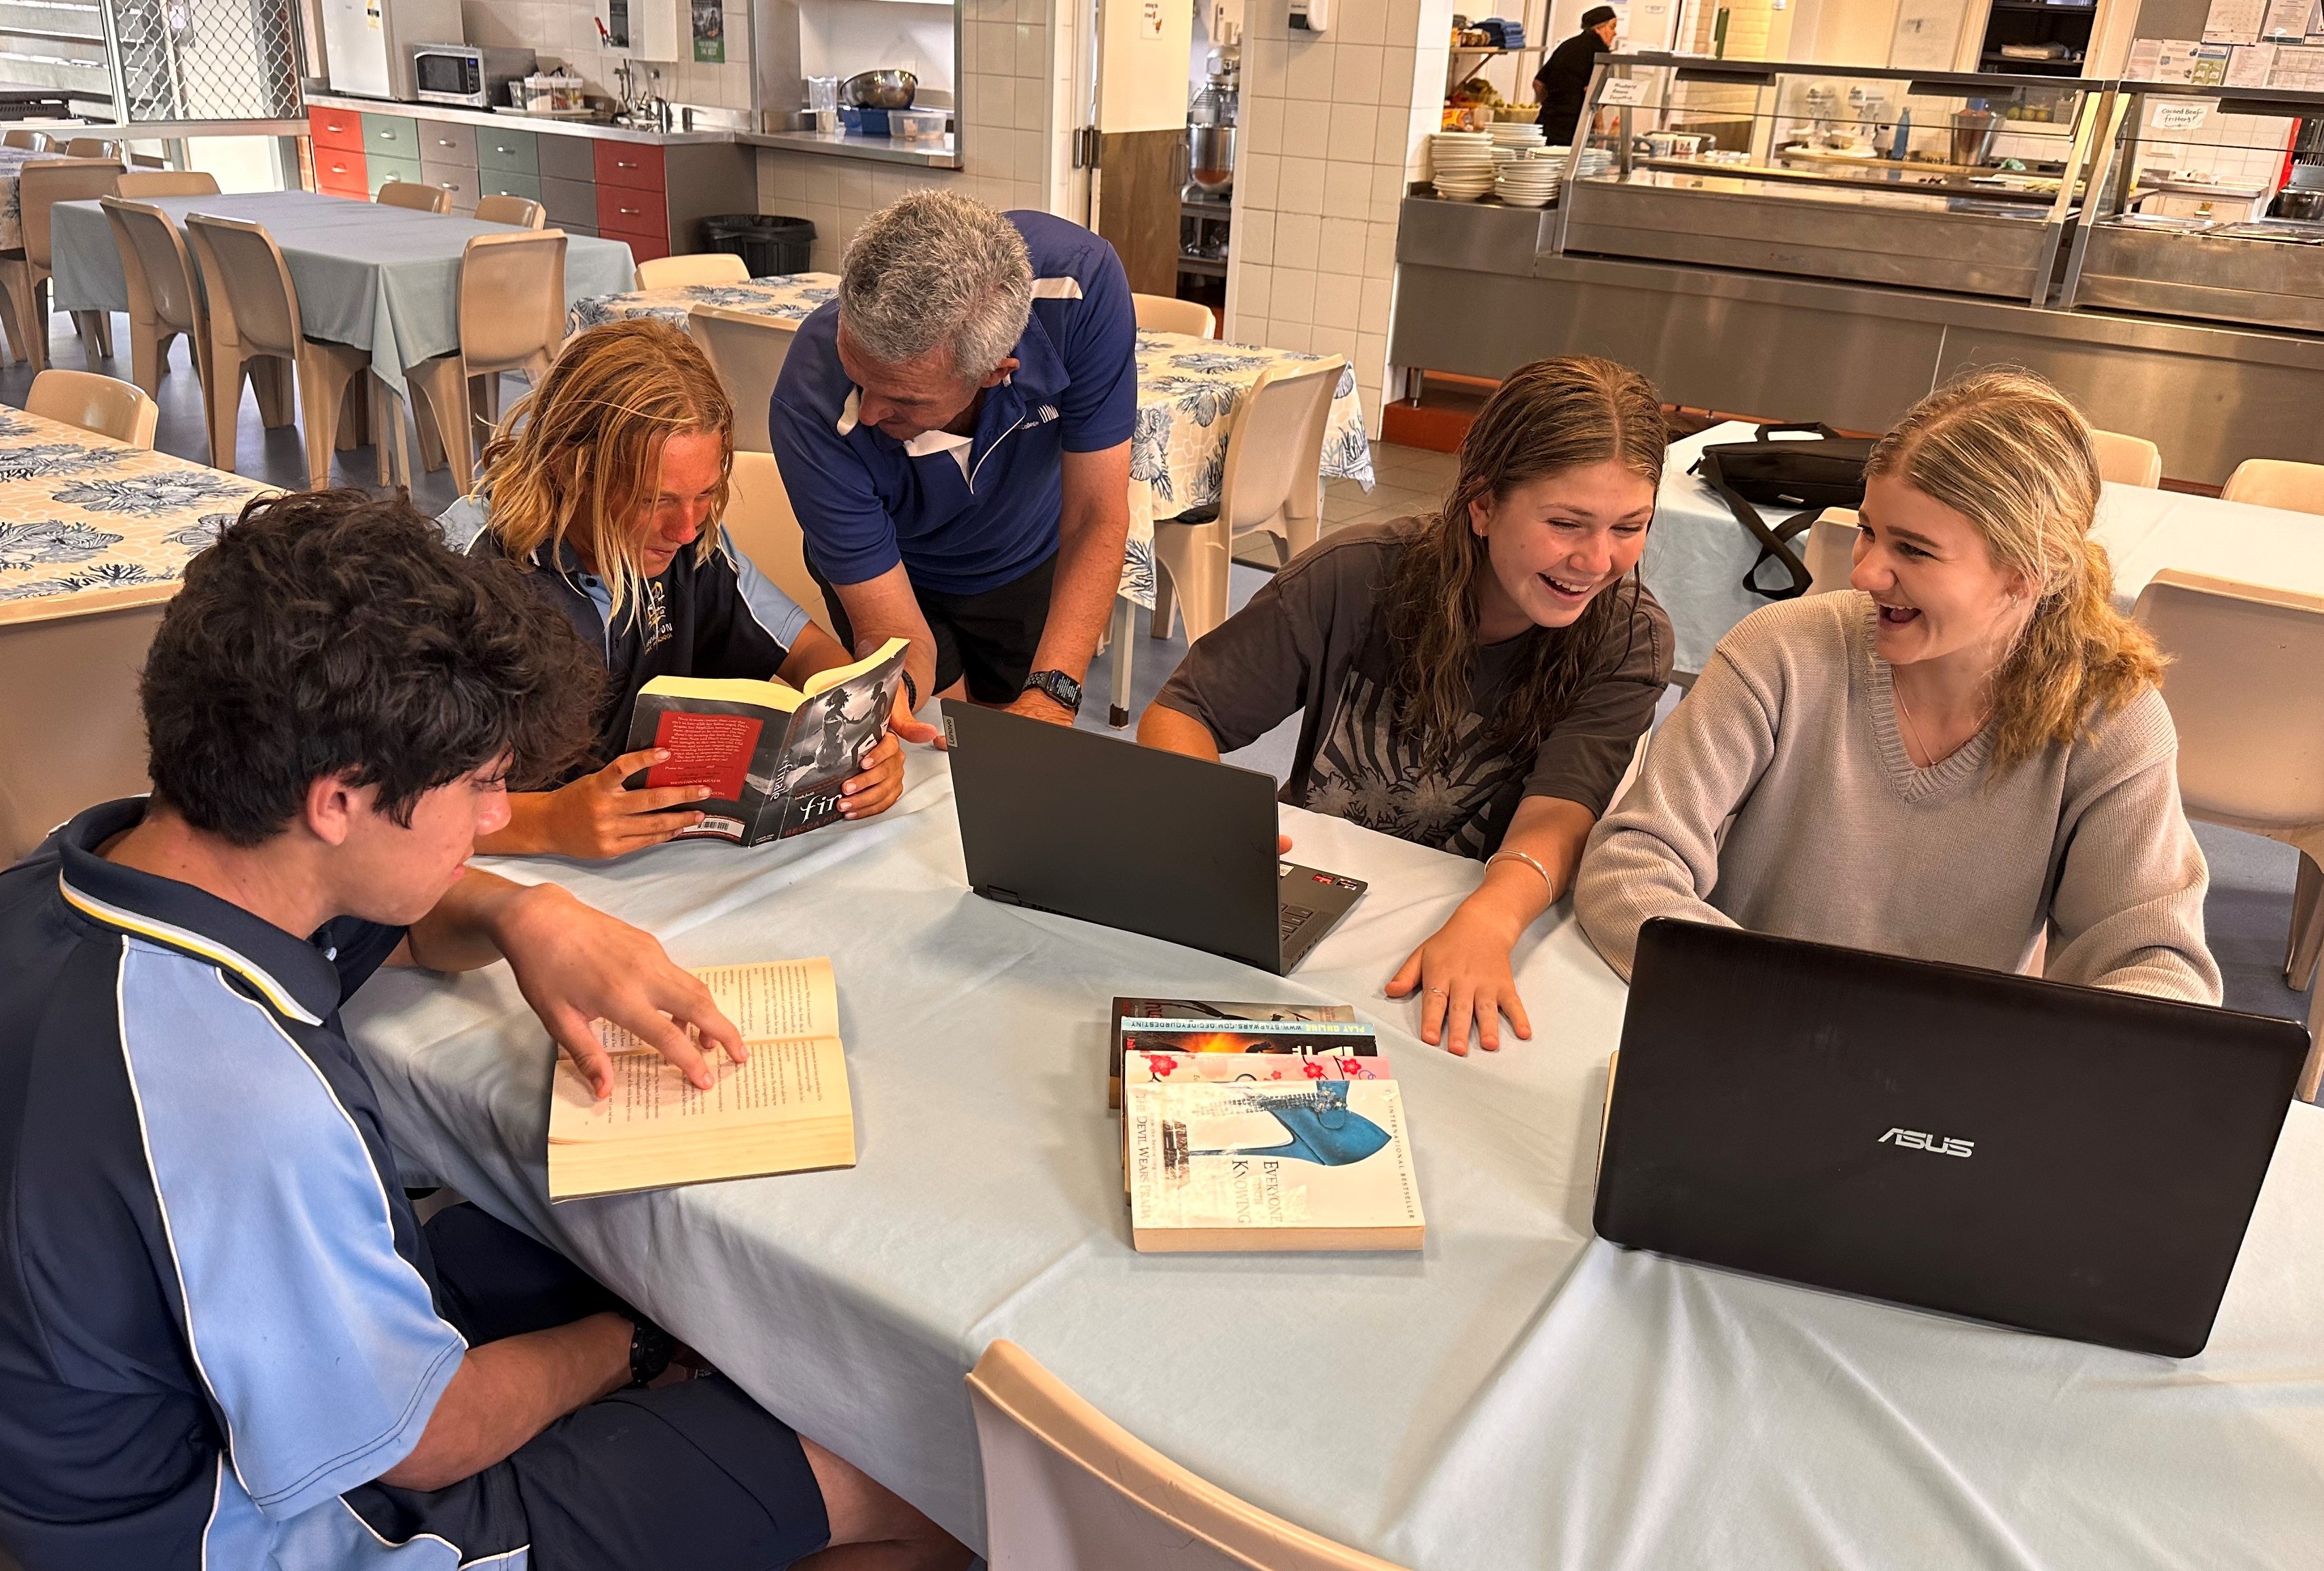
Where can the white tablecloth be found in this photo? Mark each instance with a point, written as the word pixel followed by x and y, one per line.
pixel 1517 1395
pixel 1697 554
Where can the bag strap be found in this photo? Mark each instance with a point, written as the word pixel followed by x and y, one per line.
pixel 1775 544
pixel 1813 426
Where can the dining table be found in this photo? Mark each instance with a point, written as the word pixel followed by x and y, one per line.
pixel 1517 1393
pixel 95 536
pixel 1697 555
pixel 12 160
pixel 1188 391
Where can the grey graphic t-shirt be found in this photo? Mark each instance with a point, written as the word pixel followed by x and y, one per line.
pixel 1315 640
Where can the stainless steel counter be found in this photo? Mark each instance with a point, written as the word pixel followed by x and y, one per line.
pixel 943 154
pixel 598 130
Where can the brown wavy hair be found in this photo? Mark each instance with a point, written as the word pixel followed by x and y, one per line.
pixel 581 454
pixel 2004 449
pixel 1549 417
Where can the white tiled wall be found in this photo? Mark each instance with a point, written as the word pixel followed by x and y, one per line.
pixel 566 30
pixel 1008 107
pixel 2242 148
pixel 1332 129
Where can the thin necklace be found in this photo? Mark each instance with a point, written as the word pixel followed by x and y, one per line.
pixel 1898 693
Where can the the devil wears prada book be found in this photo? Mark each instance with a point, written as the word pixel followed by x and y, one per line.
pixel 1221 1160
pixel 774 756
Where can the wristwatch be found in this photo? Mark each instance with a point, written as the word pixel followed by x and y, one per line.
pixel 1058 685
pixel 651 1348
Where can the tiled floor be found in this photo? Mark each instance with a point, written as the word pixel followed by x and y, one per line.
pixel 1409 480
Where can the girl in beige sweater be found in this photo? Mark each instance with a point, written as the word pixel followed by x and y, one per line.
pixel 1963 753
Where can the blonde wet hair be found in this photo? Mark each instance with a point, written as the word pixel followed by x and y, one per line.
pixel 2004 449
pixel 579 458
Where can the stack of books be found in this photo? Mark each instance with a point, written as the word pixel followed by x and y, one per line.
pixel 1259 1127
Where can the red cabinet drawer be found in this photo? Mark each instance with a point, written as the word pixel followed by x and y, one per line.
pixel 629 163
pixel 642 247
pixel 625 211
pixel 336 128
pixel 341 173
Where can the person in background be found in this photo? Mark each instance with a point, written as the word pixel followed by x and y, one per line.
pixel 606 485
pixel 1963 754
pixel 955 433
pixel 225 1341
pixel 1564 79
pixel 1476 680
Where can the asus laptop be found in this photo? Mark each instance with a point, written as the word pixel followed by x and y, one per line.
pixel 1151 842
pixel 2058 1159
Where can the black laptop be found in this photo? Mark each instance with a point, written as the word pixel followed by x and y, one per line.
pixel 2060 1159
pixel 1133 837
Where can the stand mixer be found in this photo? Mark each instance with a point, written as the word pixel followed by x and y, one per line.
pixel 1211 120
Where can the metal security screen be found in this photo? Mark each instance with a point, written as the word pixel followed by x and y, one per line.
pixel 204 60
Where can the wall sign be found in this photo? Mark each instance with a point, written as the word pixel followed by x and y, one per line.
pixel 709 31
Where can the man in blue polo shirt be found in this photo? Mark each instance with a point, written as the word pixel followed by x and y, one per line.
pixel 953 430
pixel 225 1342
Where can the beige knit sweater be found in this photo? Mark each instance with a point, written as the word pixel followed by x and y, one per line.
pixel 1836 836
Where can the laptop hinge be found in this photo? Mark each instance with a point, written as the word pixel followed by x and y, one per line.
pixel 1005 896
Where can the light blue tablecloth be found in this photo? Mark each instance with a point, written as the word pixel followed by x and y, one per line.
pixel 1697 553
pixel 1517 1395
pixel 383 279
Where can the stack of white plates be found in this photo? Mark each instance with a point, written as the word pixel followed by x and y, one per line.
pixel 1529 182
pixel 1463 164
pixel 1515 133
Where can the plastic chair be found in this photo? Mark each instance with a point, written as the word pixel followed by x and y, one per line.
pixel 2250 717
pixel 93 147
pixel 759 516
pixel 142 185
pixel 1158 313
pixel 164 300
pixel 2128 460
pixel 254 312
pixel 702 267
pixel 1068 1489
pixel 72 683
pixel 30 141
pixel 747 353
pixel 39 186
pixel 522 212
pixel 2277 483
pixel 512 319
pixel 420 198
pixel 1275 455
pixel 1831 554
pixel 106 405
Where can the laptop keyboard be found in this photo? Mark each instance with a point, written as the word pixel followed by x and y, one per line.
pixel 1292 918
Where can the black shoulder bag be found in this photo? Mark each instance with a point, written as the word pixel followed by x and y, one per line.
pixel 1810 476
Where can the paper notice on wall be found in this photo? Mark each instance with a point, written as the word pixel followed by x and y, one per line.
pixel 2163 59
pixel 2181 114
pixel 2251 65
pixel 709 31
pixel 2234 21
pixel 2299 67
pixel 2288 19
pixel 1624 90
pixel 1149 19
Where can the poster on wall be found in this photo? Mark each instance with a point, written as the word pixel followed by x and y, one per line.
pixel 709 31
pixel 1927 35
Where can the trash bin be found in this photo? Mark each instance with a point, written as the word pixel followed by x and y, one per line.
pixel 767 243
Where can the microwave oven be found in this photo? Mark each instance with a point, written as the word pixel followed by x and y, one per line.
pixel 470 75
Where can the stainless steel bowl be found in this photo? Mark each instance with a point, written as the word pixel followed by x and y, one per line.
pixel 1211 155
pixel 889 89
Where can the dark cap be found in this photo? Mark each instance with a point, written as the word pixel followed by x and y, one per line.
pixel 1596 16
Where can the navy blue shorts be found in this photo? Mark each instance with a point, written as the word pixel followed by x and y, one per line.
pixel 690 1474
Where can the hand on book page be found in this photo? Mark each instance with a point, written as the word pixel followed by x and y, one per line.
pixel 575 965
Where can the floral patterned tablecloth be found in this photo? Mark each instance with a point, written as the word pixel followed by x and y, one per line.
pixel 12 221
pixel 87 523
pixel 1188 389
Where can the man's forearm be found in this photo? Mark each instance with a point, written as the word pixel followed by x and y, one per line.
pixel 505 1393
pixel 464 932
pixel 885 607
pixel 1090 541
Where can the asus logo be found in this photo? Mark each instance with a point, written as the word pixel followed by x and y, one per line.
pixel 1914 1139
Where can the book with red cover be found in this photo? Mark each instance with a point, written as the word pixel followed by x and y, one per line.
pixel 774 756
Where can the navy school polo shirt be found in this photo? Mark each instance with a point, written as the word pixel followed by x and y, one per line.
pixel 963 519
pixel 713 617
pixel 216 1312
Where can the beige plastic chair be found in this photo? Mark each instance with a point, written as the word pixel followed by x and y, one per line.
pixel 30 141
pixel 164 301
pixel 72 683
pixel 254 312
pixel 2277 483
pixel 39 186
pixel 142 185
pixel 1158 313
pixel 2244 695
pixel 103 404
pixel 1830 549
pixel 522 212
pixel 703 267
pixel 1275 455
pixel 2128 460
pixel 1068 1489
pixel 759 516
pixel 93 147
pixel 747 352
pixel 420 198
pixel 512 319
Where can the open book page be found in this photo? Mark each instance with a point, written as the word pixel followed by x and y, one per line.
pixel 797 1077
pixel 767 1002
pixel 823 680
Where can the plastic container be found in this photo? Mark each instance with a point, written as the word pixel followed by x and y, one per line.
pixel 917 125
pixel 770 246
pixel 865 122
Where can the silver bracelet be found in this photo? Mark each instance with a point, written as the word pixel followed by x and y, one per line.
pixel 1547 883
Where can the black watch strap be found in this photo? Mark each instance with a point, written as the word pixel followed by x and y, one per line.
pixel 1063 688
pixel 651 1350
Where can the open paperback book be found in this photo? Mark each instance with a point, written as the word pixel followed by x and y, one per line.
pixel 1241 1165
pixel 786 1110
pixel 774 756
